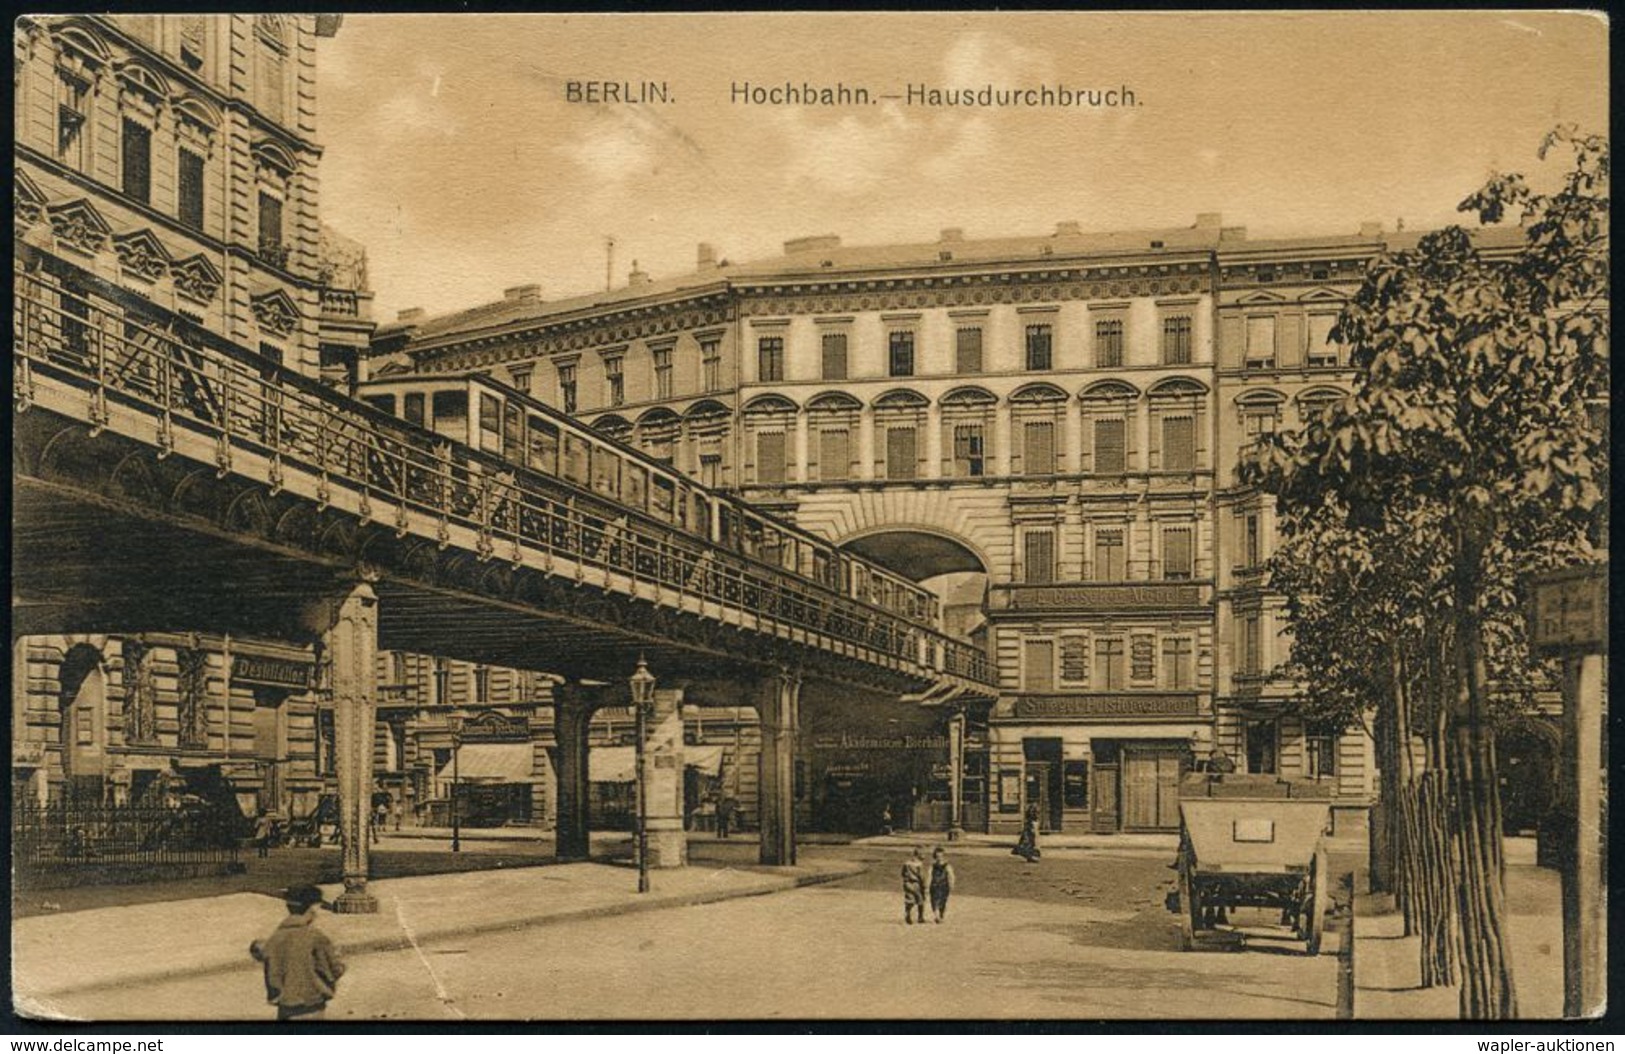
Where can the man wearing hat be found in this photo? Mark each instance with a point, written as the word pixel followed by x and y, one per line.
pixel 301 968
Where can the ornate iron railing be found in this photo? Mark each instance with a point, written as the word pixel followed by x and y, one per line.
pixel 183 378
pixel 70 843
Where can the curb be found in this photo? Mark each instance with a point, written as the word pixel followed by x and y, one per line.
pixel 773 884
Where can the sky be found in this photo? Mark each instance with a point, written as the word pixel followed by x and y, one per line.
pixel 454 155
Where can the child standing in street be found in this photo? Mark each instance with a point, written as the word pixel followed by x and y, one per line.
pixel 942 883
pixel 301 968
pixel 913 888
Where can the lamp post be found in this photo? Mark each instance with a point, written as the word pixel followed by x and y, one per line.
pixel 643 694
pixel 456 785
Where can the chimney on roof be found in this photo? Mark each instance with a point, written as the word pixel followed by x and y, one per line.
pixel 409 314
pixel 706 257
pixel 816 242
pixel 1371 229
pixel 637 277
pixel 951 234
pixel 522 292
pixel 1209 221
pixel 1068 229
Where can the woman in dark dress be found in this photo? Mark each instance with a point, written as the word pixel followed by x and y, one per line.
pixel 1027 847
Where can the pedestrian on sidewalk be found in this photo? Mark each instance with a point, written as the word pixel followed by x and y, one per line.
pixel 264 833
pixel 302 970
pixel 942 883
pixel 725 815
pixel 1027 845
pixel 914 888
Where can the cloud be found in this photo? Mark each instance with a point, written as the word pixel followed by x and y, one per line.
pixel 980 57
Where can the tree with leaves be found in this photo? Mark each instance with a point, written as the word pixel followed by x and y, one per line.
pixel 1471 451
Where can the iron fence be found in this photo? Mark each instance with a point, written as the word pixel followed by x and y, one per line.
pixel 71 844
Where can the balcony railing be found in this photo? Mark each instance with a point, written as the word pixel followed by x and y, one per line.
pixel 188 381
pixel 340 303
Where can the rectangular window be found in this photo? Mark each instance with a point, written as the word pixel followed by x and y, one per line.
pixel 834 356
pixel 1322 351
pixel 137 153
pixel 1261 342
pixel 1111 555
pixel 901 452
pixel 900 362
pixel 271 229
pixel 770 359
pixel 482 684
pixel 1178 670
pixel 1258 423
pixel 834 453
pixel 970 458
pixel 1179 443
pixel 1040 342
pixel 1251 645
pixel 1109 343
pixel 711 470
pixel 1177 556
pixel 412 408
pixel 567 388
pixel 662 367
pixel 1038 665
pixel 968 350
pixel 1261 746
pixel 1038 448
pixel 711 365
pixel 1253 553
pixel 190 206
pixel 544 445
pixel 770 457
pixel 193 37
pixel 1176 340
pixel 614 381
pixel 1111 665
pixel 521 378
pixel 1110 456
pixel 1038 557
pixel 1320 752
pixel 71 117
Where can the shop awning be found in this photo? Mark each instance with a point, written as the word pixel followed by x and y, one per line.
pixel 619 764
pixel 492 762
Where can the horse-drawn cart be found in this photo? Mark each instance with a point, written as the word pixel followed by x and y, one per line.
pixel 1252 841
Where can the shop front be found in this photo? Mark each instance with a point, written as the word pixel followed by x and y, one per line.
pixel 492 773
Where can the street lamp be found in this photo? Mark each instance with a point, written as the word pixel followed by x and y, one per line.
pixel 643 694
pixel 456 785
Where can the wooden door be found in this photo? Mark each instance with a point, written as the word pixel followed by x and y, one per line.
pixel 1105 799
pixel 1139 791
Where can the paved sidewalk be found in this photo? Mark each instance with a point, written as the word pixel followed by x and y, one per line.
pixel 107 947
pixel 1165 844
pixel 1387 969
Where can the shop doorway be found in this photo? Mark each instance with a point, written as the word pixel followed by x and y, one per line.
pixel 1043 781
pixel 1150 796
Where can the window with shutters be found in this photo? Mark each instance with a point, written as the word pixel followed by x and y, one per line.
pixel 1177 556
pixel 770 359
pixel 1111 555
pixel 901 452
pixel 1038 665
pixel 1176 340
pixel 834 356
pixel 567 387
pixel 1109 343
pixel 1040 344
pixel 1111 664
pixel 1261 342
pixel 1038 557
pixel 834 453
pixel 1323 353
pixel 969 450
pixel 900 357
pixel 189 168
pixel 1178 666
pixel 1110 456
pixel 968 350
pixel 661 358
pixel 614 381
pixel 1038 448
pixel 711 365
pixel 1179 443
pixel 137 155
pixel 770 457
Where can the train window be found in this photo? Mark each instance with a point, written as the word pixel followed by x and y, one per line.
pixel 490 422
pixel 663 499
pixel 544 446
pixel 606 472
pixel 773 547
pixel 577 453
pixel 513 432
pixel 385 403
pixel 412 407
pixel 727 528
pixel 451 414
pixel 637 486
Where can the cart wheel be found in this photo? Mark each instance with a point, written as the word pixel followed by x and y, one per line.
pixel 1190 912
pixel 1319 900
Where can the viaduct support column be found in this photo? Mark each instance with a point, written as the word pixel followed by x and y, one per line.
pixel 778 705
pixel 349 624
pixel 573 708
